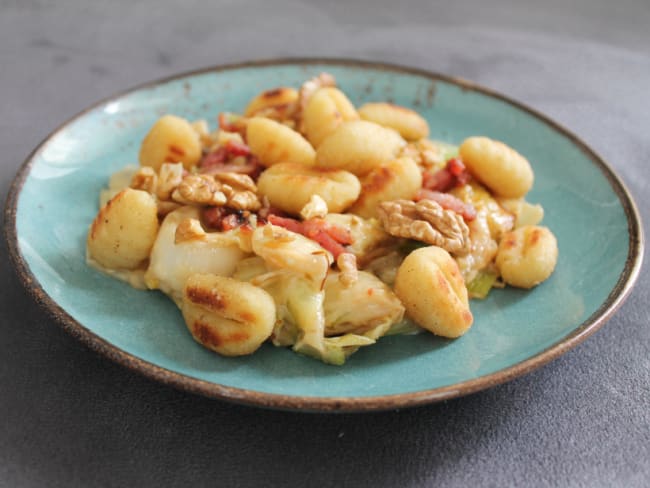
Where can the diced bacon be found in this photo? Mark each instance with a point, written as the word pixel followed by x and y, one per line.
pixel 290 224
pixel 213 159
pixel 452 175
pixel 329 236
pixel 266 212
pixel 232 221
pixel 339 234
pixel 448 202
pixel 212 216
pixel 235 148
pixel 441 180
pixel 327 242
pixel 223 218
pixel 231 122
pixel 456 167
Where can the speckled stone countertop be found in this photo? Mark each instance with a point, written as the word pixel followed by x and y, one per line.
pixel 71 418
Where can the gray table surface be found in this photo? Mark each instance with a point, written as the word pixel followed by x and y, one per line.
pixel 71 418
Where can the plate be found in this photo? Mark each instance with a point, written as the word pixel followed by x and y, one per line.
pixel 54 199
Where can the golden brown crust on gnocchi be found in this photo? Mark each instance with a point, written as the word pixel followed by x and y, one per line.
pixel 411 125
pixel 502 169
pixel 228 316
pixel 430 286
pixel 275 143
pixel 527 256
pixel 290 187
pixel 326 110
pixel 275 99
pixel 358 146
pixel 172 139
pixel 394 180
pixel 124 230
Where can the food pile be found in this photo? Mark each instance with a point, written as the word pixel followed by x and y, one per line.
pixel 311 223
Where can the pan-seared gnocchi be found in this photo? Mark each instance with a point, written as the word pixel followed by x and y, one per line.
pixel 277 98
pixel 228 316
pixel 410 124
pixel 499 167
pixel 359 146
pixel 273 143
pixel 394 180
pixel 172 139
pixel 338 188
pixel 527 256
pixel 124 231
pixel 309 223
pixel 327 109
pixel 430 286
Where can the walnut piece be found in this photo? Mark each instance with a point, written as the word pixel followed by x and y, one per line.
pixel 172 185
pixel 426 221
pixel 347 263
pixel 145 179
pixel 224 189
pixel 238 181
pixel 188 230
pixel 170 176
pixel 201 189
pixel 315 208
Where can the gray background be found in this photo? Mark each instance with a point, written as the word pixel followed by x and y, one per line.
pixel 71 418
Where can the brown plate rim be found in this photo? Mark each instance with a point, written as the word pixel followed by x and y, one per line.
pixel 180 381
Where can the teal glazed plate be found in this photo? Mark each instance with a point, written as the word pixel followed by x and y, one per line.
pixel 54 199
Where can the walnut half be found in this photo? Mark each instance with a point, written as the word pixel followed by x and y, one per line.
pixel 226 189
pixel 426 221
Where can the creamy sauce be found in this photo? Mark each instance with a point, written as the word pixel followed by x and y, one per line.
pixel 134 277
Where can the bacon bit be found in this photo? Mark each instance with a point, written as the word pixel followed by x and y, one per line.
pixel 448 202
pixel 328 235
pixel 218 161
pixel 235 148
pixel 232 221
pixel 315 226
pixel 212 216
pixel 224 218
pixel 213 159
pixel 231 122
pixel 290 224
pixel 443 180
pixel 266 212
pixel 327 242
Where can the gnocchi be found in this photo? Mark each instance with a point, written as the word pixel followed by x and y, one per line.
pixel 275 143
pixel 527 256
pixel 502 169
pixel 337 188
pixel 124 231
pixel 228 316
pixel 309 223
pixel 430 286
pixel 411 125
pixel 172 139
pixel 327 109
pixel 276 98
pixel 397 179
pixel 358 147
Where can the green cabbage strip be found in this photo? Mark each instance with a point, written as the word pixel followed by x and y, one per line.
pixel 480 286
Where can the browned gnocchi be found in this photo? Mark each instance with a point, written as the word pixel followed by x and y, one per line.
pixel 309 223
